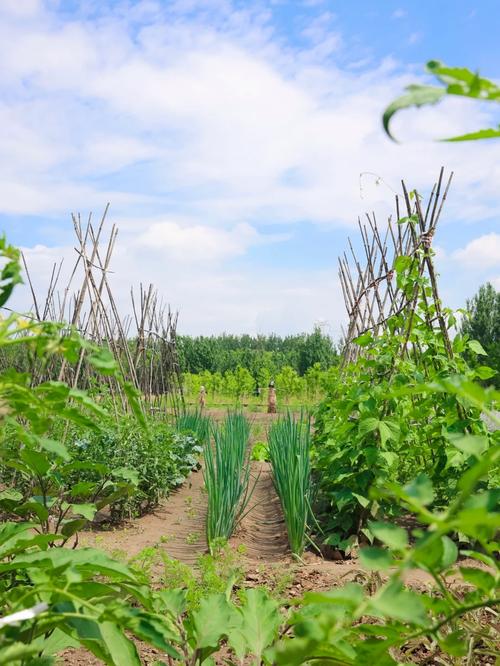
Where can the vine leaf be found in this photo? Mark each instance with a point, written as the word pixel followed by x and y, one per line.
pixel 417 95
pixel 455 81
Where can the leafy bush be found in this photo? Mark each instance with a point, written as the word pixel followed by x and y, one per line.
pixel 160 458
pixel 372 428
pixel 50 597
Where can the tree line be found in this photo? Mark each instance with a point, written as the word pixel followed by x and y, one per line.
pixel 260 355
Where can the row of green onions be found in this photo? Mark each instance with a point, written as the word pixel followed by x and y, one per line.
pixel 226 475
pixel 194 422
pixel 289 450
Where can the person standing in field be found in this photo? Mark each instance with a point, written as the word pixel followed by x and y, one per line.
pixel 203 397
pixel 271 399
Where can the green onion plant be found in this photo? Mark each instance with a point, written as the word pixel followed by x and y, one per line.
pixel 289 450
pixel 226 474
pixel 194 422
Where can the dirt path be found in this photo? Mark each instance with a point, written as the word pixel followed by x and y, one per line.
pixel 262 530
pixel 178 525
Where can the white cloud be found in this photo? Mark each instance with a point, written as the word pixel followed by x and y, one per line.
pixel 481 253
pixel 202 127
pixel 200 243
pixel 210 298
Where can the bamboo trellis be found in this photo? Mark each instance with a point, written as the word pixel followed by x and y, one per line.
pixel 369 288
pixel 143 343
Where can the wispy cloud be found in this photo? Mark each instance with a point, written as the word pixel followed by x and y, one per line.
pixel 202 125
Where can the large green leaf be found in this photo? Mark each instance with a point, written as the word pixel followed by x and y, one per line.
pixel 417 95
pixel 391 535
pixel 255 625
pixel 376 559
pixel 211 621
pixel 394 601
pixel 89 559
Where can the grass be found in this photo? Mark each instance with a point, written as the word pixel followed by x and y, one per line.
pixel 289 451
pixel 226 474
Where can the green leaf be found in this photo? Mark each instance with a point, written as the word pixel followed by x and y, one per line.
pixel 173 601
pixel 16 653
pixel 393 601
pixel 88 511
pixel 89 559
pixel 11 495
pixel 259 620
pixel 54 446
pixel 375 559
pixel 434 554
pixel 454 643
pixel 364 340
pixel 391 535
pixel 402 263
pixel 388 430
pixel 420 490
pixel 475 136
pixel 103 361
pixel 473 445
pixel 485 372
pixel 411 219
pixel 476 347
pixel 481 579
pixel 127 474
pixel 121 648
pixel 36 461
pixel 368 425
pixel 417 95
pixel 210 621
pixel 73 526
pixel 362 500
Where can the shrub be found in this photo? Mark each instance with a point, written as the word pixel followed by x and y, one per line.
pixel 160 457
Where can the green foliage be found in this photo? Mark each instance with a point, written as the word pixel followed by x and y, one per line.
pixel 213 572
pixel 263 356
pixel 376 426
pixel 481 324
pixel 454 81
pixel 389 624
pixel 194 423
pixel 52 598
pixel 70 597
pixel 289 450
pixel 226 475
pixel 288 383
pixel 160 458
pixel 260 452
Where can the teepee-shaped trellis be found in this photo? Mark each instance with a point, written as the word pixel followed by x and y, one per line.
pixel 369 287
pixel 143 343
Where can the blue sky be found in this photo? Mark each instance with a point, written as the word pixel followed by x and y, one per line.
pixel 237 142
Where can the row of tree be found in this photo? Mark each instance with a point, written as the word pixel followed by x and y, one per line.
pixel 257 354
pixel 304 365
pixel 240 383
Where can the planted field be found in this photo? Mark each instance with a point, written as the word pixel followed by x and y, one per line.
pixel 138 529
